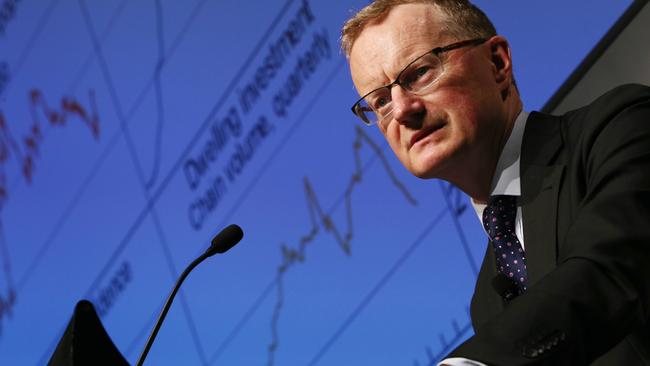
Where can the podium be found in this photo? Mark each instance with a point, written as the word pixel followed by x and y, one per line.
pixel 85 341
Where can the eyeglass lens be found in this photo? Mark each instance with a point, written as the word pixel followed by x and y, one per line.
pixel 417 76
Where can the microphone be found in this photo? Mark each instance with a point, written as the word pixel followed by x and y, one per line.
pixel 223 241
pixel 226 239
pixel 505 287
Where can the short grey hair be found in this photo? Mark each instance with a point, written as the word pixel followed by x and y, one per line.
pixel 464 19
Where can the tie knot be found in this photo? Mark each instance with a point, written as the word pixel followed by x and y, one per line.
pixel 502 200
pixel 499 215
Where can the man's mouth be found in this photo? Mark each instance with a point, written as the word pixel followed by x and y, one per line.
pixel 424 133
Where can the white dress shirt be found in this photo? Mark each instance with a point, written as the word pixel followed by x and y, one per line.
pixel 506 181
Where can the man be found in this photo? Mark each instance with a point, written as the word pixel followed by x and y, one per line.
pixel 565 200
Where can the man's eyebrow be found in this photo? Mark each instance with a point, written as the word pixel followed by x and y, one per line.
pixel 376 83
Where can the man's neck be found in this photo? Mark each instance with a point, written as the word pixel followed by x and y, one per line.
pixel 477 181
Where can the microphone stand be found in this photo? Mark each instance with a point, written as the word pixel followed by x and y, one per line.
pixel 225 240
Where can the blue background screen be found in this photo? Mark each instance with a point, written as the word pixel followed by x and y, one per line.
pixel 131 132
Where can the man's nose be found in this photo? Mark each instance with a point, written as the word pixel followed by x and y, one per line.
pixel 407 107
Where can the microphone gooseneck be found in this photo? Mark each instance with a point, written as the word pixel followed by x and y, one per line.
pixel 226 239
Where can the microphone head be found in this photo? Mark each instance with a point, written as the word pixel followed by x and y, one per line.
pixel 226 239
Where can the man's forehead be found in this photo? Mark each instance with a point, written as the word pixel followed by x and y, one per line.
pixel 383 48
pixel 411 20
pixel 405 25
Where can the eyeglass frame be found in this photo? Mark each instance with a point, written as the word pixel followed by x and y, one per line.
pixel 436 52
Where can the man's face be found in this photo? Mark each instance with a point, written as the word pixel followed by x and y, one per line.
pixel 455 123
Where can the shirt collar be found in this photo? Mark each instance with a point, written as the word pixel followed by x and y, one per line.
pixel 506 179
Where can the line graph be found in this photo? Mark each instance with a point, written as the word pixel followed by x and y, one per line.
pixel 160 189
pixel 342 238
pixel 457 207
pixel 347 322
pixel 319 218
pixel 13 290
pixel 112 142
pixel 7 146
pixel 69 108
pixel 25 155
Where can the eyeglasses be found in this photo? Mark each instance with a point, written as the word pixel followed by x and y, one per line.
pixel 416 78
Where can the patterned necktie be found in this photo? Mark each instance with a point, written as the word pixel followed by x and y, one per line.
pixel 499 221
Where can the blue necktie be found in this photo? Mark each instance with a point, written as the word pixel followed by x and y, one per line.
pixel 499 221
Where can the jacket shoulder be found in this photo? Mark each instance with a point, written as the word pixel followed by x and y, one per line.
pixel 612 103
pixel 586 124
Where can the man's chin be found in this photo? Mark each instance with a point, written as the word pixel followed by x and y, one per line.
pixel 426 171
pixel 428 161
pixel 437 159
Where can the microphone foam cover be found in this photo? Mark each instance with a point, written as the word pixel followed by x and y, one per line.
pixel 226 239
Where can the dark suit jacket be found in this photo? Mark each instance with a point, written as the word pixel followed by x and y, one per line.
pixel 585 180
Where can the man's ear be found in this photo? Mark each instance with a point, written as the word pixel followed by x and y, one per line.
pixel 501 61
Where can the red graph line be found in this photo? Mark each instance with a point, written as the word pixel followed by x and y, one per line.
pixel 7 304
pixel 8 299
pixel 8 146
pixel 25 151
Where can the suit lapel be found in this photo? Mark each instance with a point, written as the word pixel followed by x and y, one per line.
pixel 540 185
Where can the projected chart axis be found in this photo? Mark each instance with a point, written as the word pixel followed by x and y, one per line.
pixel 160 105
pixel 447 346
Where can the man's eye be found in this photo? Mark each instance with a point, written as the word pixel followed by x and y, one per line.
pixel 421 71
pixel 417 75
pixel 420 77
pixel 379 103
